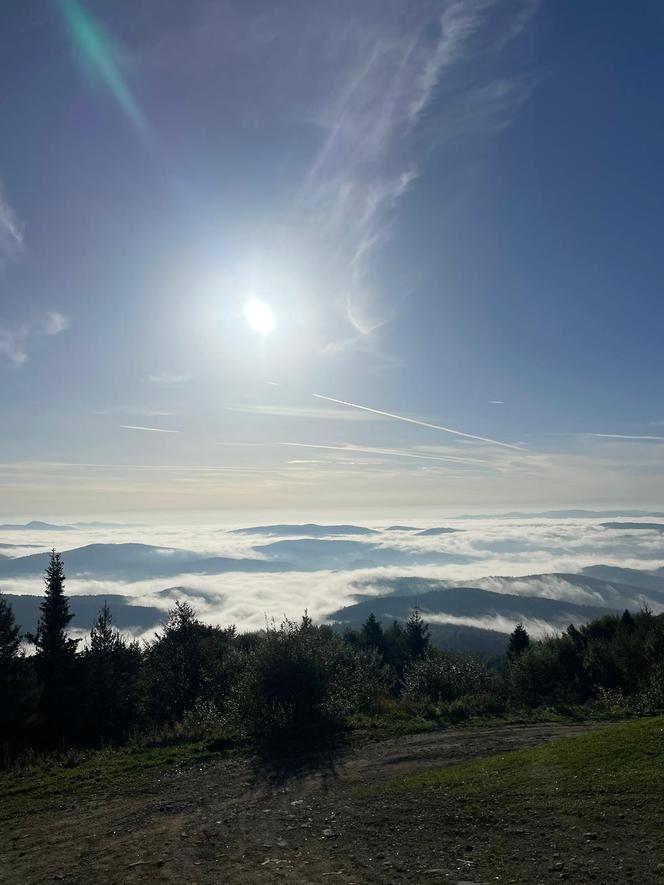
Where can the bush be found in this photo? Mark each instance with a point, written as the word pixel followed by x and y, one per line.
pixel 301 680
pixel 442 677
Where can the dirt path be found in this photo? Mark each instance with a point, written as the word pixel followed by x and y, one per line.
pixel 232 822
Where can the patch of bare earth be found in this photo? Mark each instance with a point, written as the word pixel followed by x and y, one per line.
pixel 235 821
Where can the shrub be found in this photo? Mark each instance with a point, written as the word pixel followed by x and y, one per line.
pixel 441 677
pixel 303 680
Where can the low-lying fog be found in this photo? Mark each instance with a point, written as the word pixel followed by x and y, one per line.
pixel 247 576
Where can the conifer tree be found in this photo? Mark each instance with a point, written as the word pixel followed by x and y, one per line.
pixel 16 689
pixel 372 634
pixel 111 670
pixel 55 654
pixel 417 635
pixel 104 638
pixel 519 641
pixel 10 635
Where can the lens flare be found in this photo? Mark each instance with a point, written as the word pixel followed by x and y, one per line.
pixel 98 56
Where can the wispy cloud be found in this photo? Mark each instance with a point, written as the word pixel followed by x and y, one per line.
pixel 11 230
pixel 15 340
pixel 308 413
pixel 398 453
pixel 55 322
pixel 12 345
pixel 390 74
pixel 493 442
pixel 167 378
pixel 496 402
pixel 373 87
pixel 149 429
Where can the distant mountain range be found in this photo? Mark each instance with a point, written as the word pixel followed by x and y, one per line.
pixel 37 526
pixel 600 585
pixel 475 614
pixel 465 618
pixel 307 529
pixel 134 562
pixel 631 526
pixel 426 533
pixel 563 514
pixel 315 554
pixel 469 602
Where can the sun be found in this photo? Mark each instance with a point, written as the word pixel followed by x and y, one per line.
pixel 259 316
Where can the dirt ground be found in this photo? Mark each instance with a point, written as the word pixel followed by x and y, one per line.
pixel 236 821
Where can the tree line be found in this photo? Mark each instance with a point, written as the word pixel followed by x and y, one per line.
pixel 297 679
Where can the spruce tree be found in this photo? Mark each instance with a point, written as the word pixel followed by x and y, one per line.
pixel 372 634
pixel 111 673
pixel 55 655
pixel 16 688
pixel 104 638
pixel 417 635
pixel 519 641
pixel 10 636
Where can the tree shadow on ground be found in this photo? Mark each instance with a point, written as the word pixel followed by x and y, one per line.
pixel 300 758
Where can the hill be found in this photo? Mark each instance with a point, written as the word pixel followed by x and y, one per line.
pixel 470 603
pixel 126 615
pixel 310 529
pixel 133 562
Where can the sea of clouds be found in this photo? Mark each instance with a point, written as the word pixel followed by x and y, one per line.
pixel 481 552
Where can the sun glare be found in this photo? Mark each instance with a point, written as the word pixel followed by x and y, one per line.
pixel 259 316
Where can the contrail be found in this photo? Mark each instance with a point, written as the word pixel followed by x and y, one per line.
pixel 371 450
pixel 150 429
pixel 609 435
pixel 622 436
pixel 493 442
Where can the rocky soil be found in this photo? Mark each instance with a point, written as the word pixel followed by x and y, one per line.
pixel 327 820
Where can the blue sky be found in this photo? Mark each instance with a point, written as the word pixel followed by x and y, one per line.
pixel 450 208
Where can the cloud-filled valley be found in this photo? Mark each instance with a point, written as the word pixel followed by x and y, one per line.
pixel 484 573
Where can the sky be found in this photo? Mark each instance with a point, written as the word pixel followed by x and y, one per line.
pixel 330 257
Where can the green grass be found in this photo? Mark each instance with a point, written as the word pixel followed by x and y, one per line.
pixel 385 725
pixel 50 782
pixel 395 721
pixel 625 758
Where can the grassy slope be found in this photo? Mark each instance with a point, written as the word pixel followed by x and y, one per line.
pixel 620 759
pixel 626 758
pixel 106 772
pixel 585 809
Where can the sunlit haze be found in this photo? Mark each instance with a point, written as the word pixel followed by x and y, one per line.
pixel 317 261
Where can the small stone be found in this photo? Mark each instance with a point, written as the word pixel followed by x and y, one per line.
pixel 329 834
pixel 590 835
